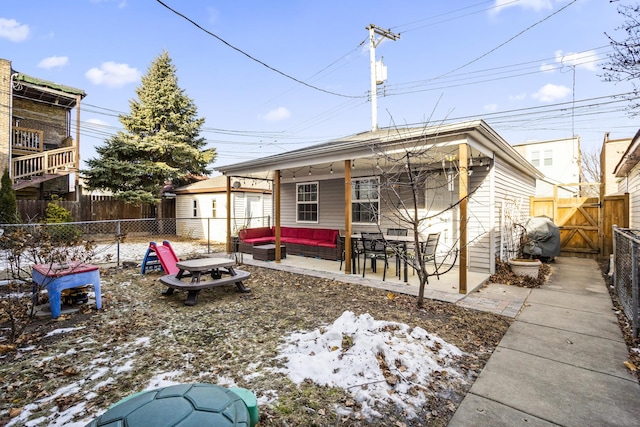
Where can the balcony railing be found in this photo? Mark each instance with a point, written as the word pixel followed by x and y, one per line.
pixel 27 141
pixel 60 160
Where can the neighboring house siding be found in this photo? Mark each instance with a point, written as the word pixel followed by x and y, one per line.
pixel 187 225
pixel 510 186
pixel 610 155
pixel 558 160
pixel 205 226
pixel 5 119
pixel 631 185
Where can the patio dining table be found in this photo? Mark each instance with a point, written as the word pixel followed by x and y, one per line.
pixel 398 243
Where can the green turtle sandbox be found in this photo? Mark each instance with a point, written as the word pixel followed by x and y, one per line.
pixel 184 405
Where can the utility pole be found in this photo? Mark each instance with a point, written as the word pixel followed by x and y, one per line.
pixel 377 77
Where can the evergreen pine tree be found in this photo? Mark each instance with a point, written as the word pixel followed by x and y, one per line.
pixel 8 203
pixel 160 143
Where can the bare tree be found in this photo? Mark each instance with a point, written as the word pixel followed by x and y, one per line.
pixel 414 178
pixel 624 61
pixel 590 171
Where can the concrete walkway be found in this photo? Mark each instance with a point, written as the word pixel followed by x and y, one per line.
pixel 561 361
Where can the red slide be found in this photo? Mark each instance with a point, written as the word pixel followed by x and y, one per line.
pixel 167 257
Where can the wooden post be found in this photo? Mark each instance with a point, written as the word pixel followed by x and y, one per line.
pixel 347 217
pixel 276 219
pixel 463 192
pixel 77 183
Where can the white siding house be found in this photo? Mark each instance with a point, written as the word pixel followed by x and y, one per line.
pixel 628 173
pixel 201 207
pixel 558 160
pixel 496 172
pixel 610 155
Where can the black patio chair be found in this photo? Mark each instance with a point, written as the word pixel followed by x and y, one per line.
pixel 397 231
pixel 392 250
pixel 428 249
pixel 374 248
pixel 356 251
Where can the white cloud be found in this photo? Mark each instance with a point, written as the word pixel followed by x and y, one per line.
pixel 121 3
pixel 587 59
pixel 53 61
pixel 518 97
pixel 13 30
pixel 551 92
pixel 280 113
pixel 98 122
pixel 535 5
pixel 547 68
pixel 490 108
pixel 113 75
pixel 213 14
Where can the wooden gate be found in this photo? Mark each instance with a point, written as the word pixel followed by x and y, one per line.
pixel 586 225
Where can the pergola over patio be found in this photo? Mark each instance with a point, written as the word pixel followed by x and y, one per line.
pixel 488 171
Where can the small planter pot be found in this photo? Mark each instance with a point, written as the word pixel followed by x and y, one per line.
pixel 525 267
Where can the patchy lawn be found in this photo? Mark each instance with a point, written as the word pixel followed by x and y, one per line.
pixel 67 371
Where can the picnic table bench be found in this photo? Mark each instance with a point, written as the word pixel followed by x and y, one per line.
pixel 220 270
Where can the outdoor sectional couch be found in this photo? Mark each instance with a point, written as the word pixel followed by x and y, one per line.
pixel 312 242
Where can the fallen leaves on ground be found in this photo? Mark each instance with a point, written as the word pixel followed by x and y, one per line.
pixel 141 338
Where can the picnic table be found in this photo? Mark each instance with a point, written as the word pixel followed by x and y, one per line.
pixel 220 270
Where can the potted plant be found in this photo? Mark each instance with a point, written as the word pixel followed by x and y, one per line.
pixel 523 265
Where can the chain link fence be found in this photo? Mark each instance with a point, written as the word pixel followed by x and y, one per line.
pixel 126 240
pixel 626 244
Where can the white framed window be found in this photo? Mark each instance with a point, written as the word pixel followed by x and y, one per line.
pixel 548 157
pixel 535 158
pixel 195 208
pixel 365 200
pixel 307 202
pixel 214 208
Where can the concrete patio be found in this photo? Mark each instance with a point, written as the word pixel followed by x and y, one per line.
pixel 443 289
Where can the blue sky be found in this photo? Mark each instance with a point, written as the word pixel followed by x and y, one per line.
pixel 530 68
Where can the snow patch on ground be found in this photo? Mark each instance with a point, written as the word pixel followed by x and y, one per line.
pixel 375 361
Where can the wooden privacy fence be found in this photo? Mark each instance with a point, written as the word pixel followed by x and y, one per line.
pixel 585 223
pixel 96 210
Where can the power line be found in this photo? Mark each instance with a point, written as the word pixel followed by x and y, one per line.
pixel 509 40
pixel 255 59
pixel 453 18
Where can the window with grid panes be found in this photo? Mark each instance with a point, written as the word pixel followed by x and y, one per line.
pixel 535 158
pixel 307 202
pixel 365 200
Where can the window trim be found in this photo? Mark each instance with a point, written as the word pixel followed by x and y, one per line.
pixel 354 200
pixel 535 158
pixel 195 208
pixel 316 202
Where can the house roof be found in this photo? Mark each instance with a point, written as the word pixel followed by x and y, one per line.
pixel 482 139
pixel 630 158
pixel 218 184
pixel 43 90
